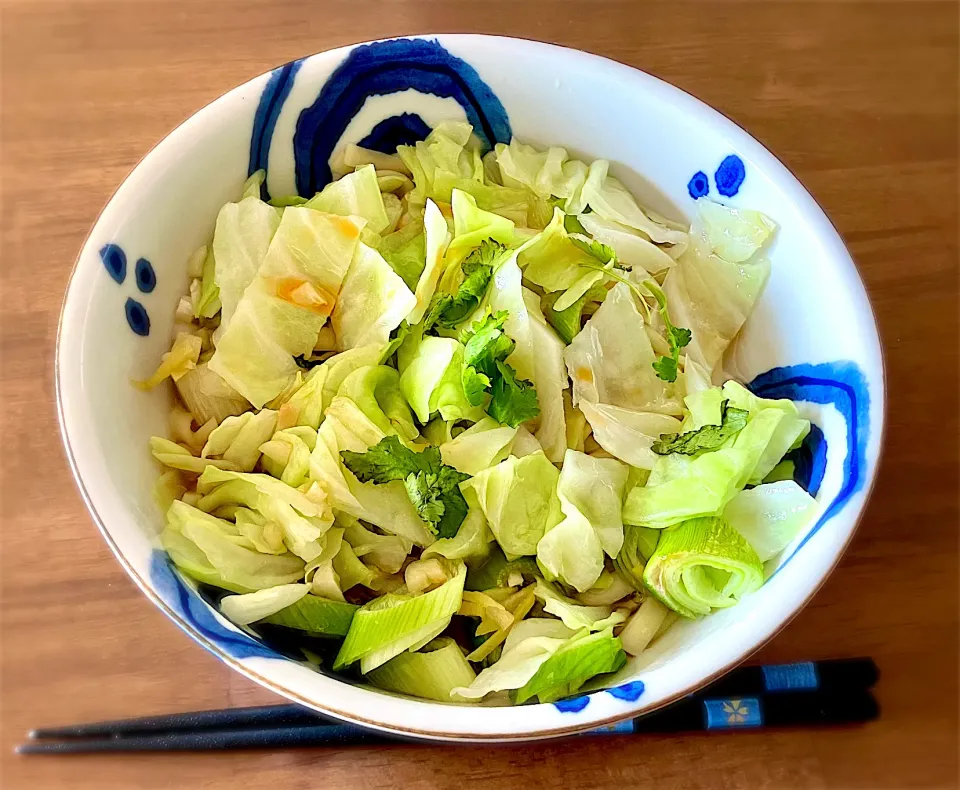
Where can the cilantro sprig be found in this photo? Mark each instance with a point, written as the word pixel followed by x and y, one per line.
pixel 677 336
pixel 433 487
pixel 486 348
pixel 449 310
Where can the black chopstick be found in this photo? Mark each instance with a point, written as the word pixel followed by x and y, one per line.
pixel 805 708
pixel 208 740
pixel 828 675
pixel 196 721
pixel 690 714
pixel 832 691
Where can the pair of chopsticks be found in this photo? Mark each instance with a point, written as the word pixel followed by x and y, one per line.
pixel 779 695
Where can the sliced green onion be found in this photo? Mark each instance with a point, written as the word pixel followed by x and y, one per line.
pixel 431 673
pixel 639 543
pixel 700 565
pixel 393 623
pixel 316 615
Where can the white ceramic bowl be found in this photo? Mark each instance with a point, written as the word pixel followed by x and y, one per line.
pixel 812 337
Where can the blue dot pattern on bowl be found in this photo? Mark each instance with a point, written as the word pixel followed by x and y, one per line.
pixel 192 609
pixel 842 385
pixel 383 68
pixel 146 276
pixel 730 175
pixel 572 705
pixel 114 261
pixel 406 128
pixel 137 317
pixel 629 692
pixel 265 120
pixel 699 185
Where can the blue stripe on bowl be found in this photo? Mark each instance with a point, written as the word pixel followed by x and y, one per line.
pixel 265 120
pixel 188 605
pixel 383 68
pixel 842 385
pixel 810 461
pixel 406 128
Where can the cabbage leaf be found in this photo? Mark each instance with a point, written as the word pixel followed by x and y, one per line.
pixel 243 234
pixel 518 496
pixel 591 494
pixel 284 307
pixel 357 194
pixel 372 302
pixel 611 360
pixel 387 506
pixel 771 515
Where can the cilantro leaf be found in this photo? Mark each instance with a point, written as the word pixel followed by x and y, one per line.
pixel 471 291
pixel 681 336
pixel 486 347
pixel 598 250
pixel 475 384
pixel 433 487
pixel 438 305
pixel 454 505
pixel 709 437
pixel 514 400
pixel 485 343
pixel 389 460
pixel 666 368
pixel 424 492
pixel 449 311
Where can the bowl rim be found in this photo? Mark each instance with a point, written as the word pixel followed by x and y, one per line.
pixel 774 167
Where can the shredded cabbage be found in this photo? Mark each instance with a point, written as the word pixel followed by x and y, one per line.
pixel 455 358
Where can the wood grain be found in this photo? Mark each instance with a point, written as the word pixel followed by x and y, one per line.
pixel 858 99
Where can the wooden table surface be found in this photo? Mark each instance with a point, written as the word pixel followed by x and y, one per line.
pixel 858 99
